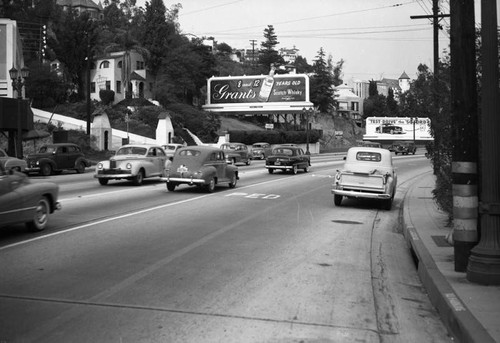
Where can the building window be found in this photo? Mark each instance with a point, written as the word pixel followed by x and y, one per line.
pixel 92 87
pixel 139 65
pixel 108 85
pixel 118 86
pixel 120 64
pixel 104 64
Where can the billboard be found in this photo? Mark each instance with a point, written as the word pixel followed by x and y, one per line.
pixel 398 128
pixel 258 93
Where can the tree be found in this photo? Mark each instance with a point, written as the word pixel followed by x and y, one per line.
pixel 392 104
pixel 321 83
pixel 268 54
pixel 302 66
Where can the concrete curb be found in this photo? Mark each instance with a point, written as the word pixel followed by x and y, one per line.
pixel 459 321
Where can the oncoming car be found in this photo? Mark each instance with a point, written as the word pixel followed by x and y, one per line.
pixel 133 162
pixel 236 153
pixel 24 202
pixel 171 148
pixel 12 163
pixel 201 166
pixel 261 150
pixel 288 158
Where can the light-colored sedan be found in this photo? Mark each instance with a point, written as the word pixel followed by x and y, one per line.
pixel 24 202
pixel 133 162
pixel 12 163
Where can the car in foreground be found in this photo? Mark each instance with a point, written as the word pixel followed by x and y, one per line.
pixel 288 158
pixel 54 158
pixel 134 162
pixel 171 148
pixel 24 202
pixel 12 163
pixel 236 153
pixel 404 148
pixel 201 166
pixel 260 150
pixel 367 173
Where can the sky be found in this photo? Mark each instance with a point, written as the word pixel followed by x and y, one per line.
pixel 375 38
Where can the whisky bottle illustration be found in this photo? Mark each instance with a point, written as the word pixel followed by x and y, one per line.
pixel 267 85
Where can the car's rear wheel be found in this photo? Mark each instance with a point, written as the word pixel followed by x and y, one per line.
pixel 40 216
pixel 306 168
pixel 294 169
pixel 80 167
pixel 103 182
pixel 138 178
pixel 337 199
pixel 387 204
pixel 45 169
pixel 270 170
pixel 211 186
pixel 248 161
pixel 171 186
pixel 233 181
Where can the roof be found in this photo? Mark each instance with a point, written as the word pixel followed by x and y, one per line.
pixel 404 76
pixel 80 3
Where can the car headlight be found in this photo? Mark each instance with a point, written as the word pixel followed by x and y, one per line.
pixel 129 165
pixel 100 166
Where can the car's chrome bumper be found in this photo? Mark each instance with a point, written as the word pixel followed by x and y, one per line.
pixel 57 206
pixel 31 169
pixel 188 180
pixel 113 176
pixel 279 167
pixel 360 194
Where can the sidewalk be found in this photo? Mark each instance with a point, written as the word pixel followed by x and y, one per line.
pixel 470 311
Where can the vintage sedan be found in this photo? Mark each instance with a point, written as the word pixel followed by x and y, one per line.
pixel 133 162
pixel 236 153
pixel 288 158
pixel 9 162
pixel 367 173
pixel 201 166
pixel 261 150
pixel 24 202
pixel 54 158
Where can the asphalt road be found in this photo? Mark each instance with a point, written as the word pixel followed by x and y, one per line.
pixel 272 260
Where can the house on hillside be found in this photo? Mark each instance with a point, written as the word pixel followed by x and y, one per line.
pixel 95 10
pixel 349 104
pixel 122 72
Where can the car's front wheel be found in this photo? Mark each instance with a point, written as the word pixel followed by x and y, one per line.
pixel 233 181
pixel 45 169
pixel 171 186
pixel 138 178
pixel 211 186
pixel 337 199
pixel 103 182
pixel 80 167
pixel 270 170
pixel 294 169
pixel 40 216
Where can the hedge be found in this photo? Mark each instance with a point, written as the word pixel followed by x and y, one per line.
pixel 274 137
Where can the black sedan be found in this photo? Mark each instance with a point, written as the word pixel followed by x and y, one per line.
pixel 288 158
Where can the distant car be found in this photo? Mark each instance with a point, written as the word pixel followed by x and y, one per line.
pixel 133 162
pixel 171 148
pixel 404 148
pixel 288 158
pixel 236 153
pixel 367 173
pixel 369 144
pixel 54 158
pixel 12 163
pixel 24 202
pixel 201 166
pixel 261 150
pixel 389 128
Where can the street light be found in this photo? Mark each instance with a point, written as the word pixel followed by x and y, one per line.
pixel 307 113
pixel 18 82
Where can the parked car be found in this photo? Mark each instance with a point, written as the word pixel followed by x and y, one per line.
pixel 12 163
pixel 261 150
pixel 389 128
pixel 367 173
pixel 54 158
pixel 236 153
pixel 288 158
pixel 404 148
pixel 171 148
pixel 24 202
pixel 133 162
pixel 201 166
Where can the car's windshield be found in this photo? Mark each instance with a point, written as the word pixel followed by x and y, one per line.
pixel 368 156
pixel 48 149
pixel 190 152
pixel 170 147
pixel 131 150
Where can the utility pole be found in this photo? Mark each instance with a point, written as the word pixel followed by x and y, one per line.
pixel 464 131
pixel 253 41
pixel 484 261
